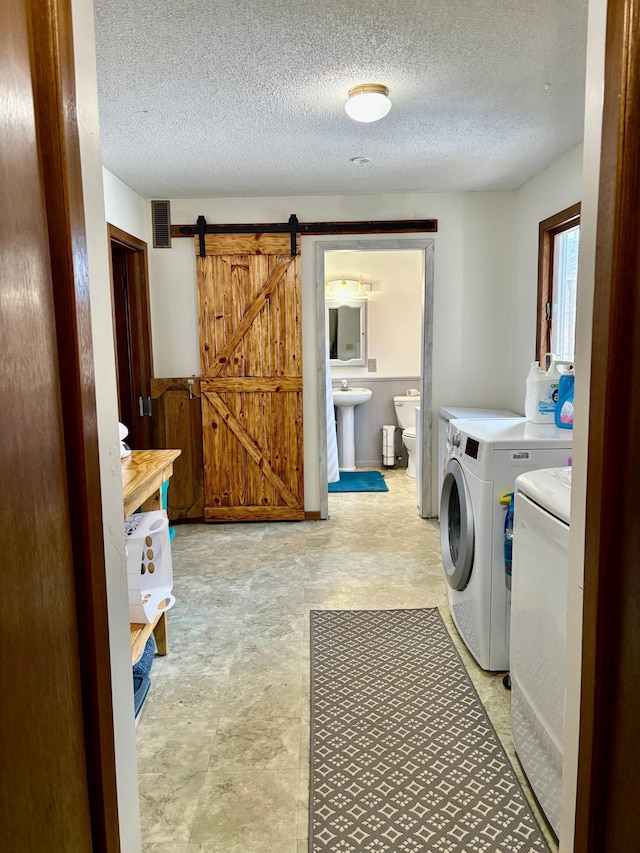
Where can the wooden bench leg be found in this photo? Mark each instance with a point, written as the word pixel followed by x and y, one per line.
pixel 161 635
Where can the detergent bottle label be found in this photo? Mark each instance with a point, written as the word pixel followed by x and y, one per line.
pixel 547 401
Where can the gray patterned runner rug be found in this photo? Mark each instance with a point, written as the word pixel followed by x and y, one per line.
pixel 403 756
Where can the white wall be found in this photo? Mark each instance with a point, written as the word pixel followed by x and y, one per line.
pixel 394 308
pixel 556 188
pixel 586 273
pixel 108 439
pixel 123 207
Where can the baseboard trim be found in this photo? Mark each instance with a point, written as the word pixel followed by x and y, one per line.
pixel 312 515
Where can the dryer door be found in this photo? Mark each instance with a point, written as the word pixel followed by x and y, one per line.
pixel 457 538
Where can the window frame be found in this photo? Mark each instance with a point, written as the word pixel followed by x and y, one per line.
pixel 548 229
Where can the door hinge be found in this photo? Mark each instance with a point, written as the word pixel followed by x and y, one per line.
pixel 144 407
pixel 548 309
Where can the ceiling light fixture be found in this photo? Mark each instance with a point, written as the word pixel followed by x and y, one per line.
pixel 368 102
pixel 360 159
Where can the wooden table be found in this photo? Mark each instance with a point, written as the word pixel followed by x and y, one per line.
pixel 143 474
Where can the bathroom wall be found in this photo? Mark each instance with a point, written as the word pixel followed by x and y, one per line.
pixel 394 309
pixel 375 413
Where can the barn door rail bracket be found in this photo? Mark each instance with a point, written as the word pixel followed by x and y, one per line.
pixel 295 228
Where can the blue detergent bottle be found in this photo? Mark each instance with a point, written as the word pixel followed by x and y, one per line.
pixel 564 405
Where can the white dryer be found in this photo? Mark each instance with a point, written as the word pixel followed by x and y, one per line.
pixel 449 413
pixel 539 630
pixel 486 457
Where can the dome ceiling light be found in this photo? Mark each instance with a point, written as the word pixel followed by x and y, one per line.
pixel 368 102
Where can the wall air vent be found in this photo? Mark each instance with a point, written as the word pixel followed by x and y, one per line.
pixel 161 216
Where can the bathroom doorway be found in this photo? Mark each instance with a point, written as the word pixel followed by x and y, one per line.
pixel 325 270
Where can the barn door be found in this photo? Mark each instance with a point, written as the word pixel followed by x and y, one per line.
pixel 251 366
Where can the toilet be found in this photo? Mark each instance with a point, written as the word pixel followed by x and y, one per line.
pixel 405 407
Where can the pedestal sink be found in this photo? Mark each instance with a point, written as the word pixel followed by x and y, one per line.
pixel 345 401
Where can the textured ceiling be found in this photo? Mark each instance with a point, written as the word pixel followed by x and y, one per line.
pixel 204 98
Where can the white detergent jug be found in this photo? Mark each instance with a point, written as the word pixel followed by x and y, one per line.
pixel 542 391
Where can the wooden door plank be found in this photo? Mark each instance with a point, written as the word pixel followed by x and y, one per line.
pixel 223 356
pixel 251 447
pixel 254 513
pixel 244 244
pixel 248 384
pixel 237 366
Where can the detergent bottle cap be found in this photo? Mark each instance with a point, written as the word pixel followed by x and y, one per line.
pixel 534 370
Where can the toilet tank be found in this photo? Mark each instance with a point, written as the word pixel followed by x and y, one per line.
pixel 406 410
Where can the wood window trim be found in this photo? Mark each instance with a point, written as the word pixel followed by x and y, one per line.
pixel 547 231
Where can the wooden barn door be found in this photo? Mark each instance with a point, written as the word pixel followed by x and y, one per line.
pixel 251 365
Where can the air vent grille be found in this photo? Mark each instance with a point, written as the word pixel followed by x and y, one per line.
pixel 161 216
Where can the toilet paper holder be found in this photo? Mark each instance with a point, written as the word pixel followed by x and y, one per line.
pixel 388 432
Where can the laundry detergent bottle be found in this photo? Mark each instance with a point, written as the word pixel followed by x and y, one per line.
pixel 564 406
pixel 534 378
pixel 542 391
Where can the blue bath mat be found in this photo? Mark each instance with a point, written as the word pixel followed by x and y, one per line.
pixel 359 481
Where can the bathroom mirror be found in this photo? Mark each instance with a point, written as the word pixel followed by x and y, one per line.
pixel 346 330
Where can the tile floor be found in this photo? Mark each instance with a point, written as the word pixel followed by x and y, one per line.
pixel 223 736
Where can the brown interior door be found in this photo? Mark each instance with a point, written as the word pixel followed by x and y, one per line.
pixel 132 328
pixel 177 423
pixel 251 364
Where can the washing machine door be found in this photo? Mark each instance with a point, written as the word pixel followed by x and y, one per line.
pixel 457 536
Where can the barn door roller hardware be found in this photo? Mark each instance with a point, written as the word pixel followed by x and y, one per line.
pixel 294 228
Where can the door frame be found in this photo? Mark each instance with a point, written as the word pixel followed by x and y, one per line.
pixel 56 122
pixel 426 245
pixel 141 356
pixel 609 747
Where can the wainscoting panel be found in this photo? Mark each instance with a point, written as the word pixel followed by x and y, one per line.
pixel 371 416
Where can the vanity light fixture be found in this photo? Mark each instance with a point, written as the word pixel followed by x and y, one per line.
pixel 368 102
pixel 347 289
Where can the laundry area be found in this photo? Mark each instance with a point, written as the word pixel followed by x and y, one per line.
pixel 507 574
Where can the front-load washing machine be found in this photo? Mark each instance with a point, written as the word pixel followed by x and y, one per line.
pixel 449 413
pixel 486 457
pixel 539 630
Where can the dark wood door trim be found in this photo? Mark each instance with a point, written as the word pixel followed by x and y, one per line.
pixel 56 122
pixel 139 311
pixel 608 785
pixel 123 238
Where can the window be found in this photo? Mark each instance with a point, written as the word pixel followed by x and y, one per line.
pixel 557 280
